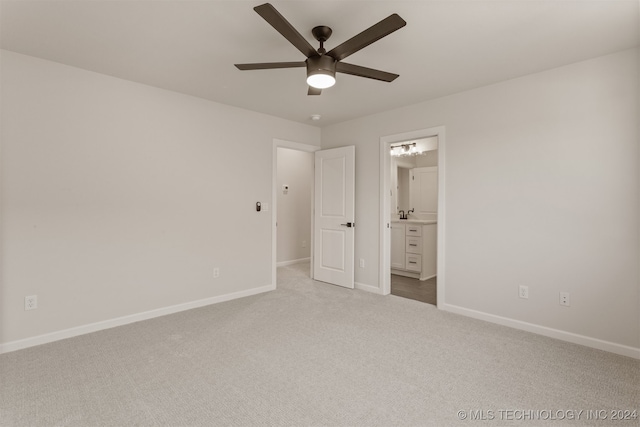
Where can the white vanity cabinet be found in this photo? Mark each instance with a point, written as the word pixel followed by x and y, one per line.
pixel 414 249
pixel 397 245
pixel 429 251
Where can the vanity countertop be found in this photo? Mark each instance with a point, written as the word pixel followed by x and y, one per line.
pixel 415 221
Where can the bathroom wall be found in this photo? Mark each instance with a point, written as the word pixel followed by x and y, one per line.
pixel 428 159
pixel 403 189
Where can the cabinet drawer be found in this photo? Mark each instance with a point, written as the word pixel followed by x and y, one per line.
pixel 414 230
pixel 414 245
pixel 414 262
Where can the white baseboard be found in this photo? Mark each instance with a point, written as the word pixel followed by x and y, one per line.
pixel 548 332
pixel 368 288
pixel 293 261
pixel 124 320
pixel 404 273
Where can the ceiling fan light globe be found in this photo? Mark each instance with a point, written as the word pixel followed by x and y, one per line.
pixel 321 81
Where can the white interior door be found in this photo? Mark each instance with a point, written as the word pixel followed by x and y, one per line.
pixel 334 216
pixel 424 190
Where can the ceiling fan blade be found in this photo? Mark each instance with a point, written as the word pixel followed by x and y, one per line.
pixel 368 36
pixel 314 91
pixel 277 21
pixel 370 73
pixel 270 65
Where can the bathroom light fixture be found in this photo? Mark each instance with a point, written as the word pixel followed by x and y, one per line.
pixel 409 149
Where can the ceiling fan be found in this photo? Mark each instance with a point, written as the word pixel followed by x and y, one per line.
pixel 322 65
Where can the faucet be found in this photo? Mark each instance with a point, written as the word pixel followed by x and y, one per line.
pixel 402 214
pixel 409 211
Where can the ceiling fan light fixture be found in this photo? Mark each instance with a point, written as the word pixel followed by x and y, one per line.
pixel 321 80
pixel 321 71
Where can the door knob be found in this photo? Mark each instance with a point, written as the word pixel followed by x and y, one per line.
pixel 349 224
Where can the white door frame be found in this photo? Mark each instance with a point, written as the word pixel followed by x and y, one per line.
pixel 280 143
pixel 385 199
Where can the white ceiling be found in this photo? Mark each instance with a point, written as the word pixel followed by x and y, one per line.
pixel 191 46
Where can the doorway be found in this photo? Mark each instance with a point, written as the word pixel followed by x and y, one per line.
pixel 428 228
pixel 292 213
pixel 294 191
pixel 413 210
pixel 333 218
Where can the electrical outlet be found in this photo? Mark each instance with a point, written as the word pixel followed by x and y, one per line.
pixel 304 243
pixel 216 273
pixel 31 302
pixel 523 291
pixel 361 262
pixel 564 299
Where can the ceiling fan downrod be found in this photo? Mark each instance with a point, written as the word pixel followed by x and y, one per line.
pixel 322 34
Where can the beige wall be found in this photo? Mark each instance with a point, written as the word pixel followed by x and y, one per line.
pixel 120 198
pixel 429 159
pixel 541 190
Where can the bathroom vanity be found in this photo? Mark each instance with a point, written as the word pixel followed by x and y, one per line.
pixel 414 248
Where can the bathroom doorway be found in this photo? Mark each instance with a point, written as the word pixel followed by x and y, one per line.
pixel 412 212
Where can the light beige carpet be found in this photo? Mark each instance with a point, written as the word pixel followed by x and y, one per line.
pixel 312 354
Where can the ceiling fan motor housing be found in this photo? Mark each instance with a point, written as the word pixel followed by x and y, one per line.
pixel 322 64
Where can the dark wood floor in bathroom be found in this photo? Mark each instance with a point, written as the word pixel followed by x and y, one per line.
pixel 406 287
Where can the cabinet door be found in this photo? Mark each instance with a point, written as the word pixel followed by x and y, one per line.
pixel 397 245
pixel 430 251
